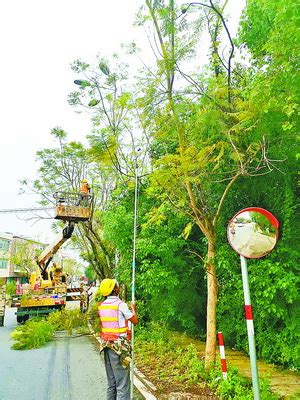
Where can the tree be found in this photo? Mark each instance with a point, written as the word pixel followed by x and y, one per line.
pixel 62 169
pixel 72 268
pixel 118 142
pixel 24 255
pixel 201 129
pixel 118 138
pixel 205 135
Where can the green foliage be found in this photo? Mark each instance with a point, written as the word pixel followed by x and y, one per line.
pixel 196 140
pixel 61 167
pixel 93 317
pixel 263 222
pixel 180 364
pixel 276 310
pixel 89 272
pixel 230 316
pixel 167 271
pixel 270 31
pixel 36 332
pixel 33 334
pixel 274 298
pixel 11 288
pixel 72 268
pixel 24 255
pixel 215 139
pixel 69 320
pixel 275 303
pixel 191 364
pixel 209 140
pixel 273 279
pixel 174 364
pixel 237 387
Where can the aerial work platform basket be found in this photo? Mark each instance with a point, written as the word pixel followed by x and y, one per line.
pixel 73 206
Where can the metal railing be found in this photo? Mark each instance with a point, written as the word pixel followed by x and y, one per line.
pixel 73 199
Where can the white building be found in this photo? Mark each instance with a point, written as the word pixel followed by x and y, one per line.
pixel 6 244
pixel 8 248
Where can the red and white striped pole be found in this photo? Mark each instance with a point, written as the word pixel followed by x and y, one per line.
pixel 250 328
pixel 222 354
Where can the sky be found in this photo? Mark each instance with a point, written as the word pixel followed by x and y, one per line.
pixel 39 41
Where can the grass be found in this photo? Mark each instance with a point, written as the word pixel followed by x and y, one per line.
pixel 175 367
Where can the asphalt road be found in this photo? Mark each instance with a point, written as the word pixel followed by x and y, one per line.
pixel 65 369
pixel 249 242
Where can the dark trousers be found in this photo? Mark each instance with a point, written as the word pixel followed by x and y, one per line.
pixel 118 378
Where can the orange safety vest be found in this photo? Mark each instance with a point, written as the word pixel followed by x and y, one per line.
pixel 108 312
pixel 85 188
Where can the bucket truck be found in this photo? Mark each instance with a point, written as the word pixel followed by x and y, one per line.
pixel 47 288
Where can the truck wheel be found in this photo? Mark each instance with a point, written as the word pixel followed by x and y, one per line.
pixel 19 319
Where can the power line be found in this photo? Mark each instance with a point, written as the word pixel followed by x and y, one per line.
pixel 24 210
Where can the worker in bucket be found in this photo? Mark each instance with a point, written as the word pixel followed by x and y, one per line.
pixel 115 339
pixel 84 192
pixel 84 187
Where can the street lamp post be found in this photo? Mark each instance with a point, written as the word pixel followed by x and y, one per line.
pixel 133 272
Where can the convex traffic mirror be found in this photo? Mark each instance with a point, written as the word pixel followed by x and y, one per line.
pixel 253 232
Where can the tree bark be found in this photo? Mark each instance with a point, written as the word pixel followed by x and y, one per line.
pixel 212 296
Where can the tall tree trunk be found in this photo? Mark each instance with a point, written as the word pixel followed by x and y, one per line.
pixel 212 295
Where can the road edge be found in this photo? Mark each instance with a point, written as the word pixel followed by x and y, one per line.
pixel 140 382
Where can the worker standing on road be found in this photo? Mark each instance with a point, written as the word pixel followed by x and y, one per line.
pixel 115 339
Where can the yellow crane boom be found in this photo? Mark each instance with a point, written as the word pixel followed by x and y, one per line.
pixel 46 256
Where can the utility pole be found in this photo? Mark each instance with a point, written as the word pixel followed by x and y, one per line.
pixel 133 272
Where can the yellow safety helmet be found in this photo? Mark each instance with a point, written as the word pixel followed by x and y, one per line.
pixel 107 286
pixel 84 181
